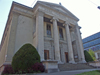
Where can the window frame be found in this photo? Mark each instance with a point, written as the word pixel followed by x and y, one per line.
pixel 47 52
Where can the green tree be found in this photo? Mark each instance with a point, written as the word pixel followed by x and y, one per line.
pixel 91 52
pixel 89 55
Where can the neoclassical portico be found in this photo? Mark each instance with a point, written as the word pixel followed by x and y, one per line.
pixel 66 24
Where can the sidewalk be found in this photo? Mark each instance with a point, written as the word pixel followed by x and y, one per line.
pixel 67 72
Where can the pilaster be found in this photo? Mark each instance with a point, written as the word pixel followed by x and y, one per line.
pixel 40 34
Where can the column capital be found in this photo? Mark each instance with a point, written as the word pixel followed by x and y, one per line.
pixel 66 23
pixel 54 18
pixel 39 12
pixel 77 26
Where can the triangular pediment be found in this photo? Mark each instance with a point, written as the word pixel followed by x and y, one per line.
pixel 59 8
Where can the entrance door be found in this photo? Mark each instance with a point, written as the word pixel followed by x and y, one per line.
pixel 66 57
pixel 46 54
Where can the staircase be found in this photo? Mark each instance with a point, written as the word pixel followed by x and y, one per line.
pixel 68 67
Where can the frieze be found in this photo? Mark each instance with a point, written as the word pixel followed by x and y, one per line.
pixel 52 13
pixel 23 10
pixel 58 15
pixel 59 9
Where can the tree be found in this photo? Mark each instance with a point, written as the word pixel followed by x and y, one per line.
pixel 89 55
pixel 91 52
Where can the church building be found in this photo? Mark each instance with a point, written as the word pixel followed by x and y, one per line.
pixel 50 28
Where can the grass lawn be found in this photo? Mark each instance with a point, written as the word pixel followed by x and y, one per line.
pixel 96 72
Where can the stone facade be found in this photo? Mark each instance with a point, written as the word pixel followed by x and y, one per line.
pixel 29 25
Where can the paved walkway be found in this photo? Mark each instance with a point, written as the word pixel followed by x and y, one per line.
pixel 67 72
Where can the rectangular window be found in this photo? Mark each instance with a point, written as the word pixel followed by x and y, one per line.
pixel 61 33
pixel 46 54
pixel 49 30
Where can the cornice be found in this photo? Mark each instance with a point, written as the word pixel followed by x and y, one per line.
pixel 22 6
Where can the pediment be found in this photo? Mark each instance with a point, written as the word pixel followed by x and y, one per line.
pixel 59 8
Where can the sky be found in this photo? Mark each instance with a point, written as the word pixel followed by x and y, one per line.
pixel 85 10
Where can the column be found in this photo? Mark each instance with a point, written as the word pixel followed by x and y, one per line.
pixel 69 43
pixel 80 45
pixel 96 55
pixel 56 40
pixel 40 34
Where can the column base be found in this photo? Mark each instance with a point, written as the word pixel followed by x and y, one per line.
pixel 51 66
pixel 59 62
pixel 7 63
pixel 82 61
pixel 72 62
pixel 42 60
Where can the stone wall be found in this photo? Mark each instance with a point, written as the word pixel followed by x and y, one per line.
pixel 74 46
pixel 24 33
pixel 48 45
pixel 63 48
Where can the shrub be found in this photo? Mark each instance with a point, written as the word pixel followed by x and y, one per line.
pixel 25 57
pixel 89 55
pixel 37 67
pixel 8 70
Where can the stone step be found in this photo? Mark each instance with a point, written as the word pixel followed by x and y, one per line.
pixel 68 66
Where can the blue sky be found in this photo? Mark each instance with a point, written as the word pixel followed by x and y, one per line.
pixel 85 10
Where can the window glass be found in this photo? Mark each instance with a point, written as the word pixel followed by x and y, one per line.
pixel 48 30
pixel 45 55
pixel 60 33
